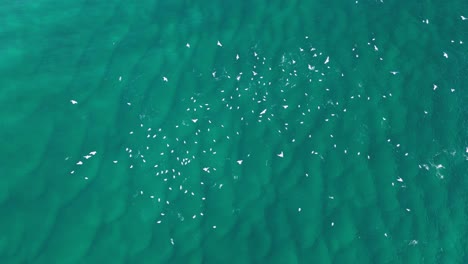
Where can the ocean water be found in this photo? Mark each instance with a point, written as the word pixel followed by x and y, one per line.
pixel 278 131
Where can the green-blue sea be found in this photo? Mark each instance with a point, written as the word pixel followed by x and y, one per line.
pixel 279 131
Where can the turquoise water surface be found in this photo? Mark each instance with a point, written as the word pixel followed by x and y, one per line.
pixel 175 131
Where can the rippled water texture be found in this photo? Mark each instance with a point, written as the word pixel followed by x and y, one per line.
pixel 234 131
